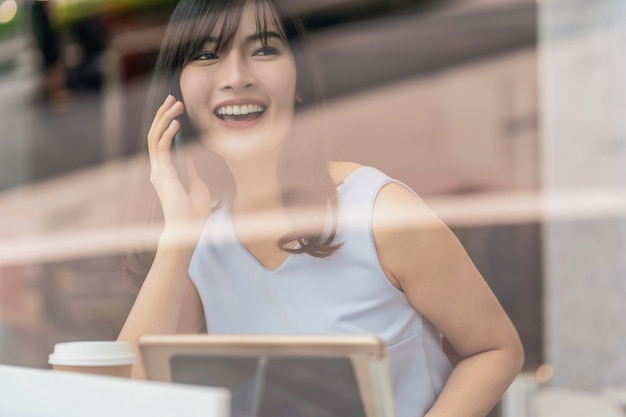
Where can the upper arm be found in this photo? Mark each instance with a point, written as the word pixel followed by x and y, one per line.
pixel 422 256
pixel 191 317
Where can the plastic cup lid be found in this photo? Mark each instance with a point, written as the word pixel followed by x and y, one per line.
pixel 92 354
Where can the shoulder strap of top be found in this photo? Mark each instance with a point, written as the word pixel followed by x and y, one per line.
pixel 357 195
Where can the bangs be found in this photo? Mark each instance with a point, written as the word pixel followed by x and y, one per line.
pixel 225 16
pixel 268 19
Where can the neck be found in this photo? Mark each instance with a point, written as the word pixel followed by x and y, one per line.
pixel 258 189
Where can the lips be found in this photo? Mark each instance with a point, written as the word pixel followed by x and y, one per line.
pixel 239 113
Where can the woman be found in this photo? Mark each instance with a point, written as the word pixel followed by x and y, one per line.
pixel 332 247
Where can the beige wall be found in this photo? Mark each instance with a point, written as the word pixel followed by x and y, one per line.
pixel 471 128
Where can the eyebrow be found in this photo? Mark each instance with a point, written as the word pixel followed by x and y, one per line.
pixel 258 36
pixel 254 37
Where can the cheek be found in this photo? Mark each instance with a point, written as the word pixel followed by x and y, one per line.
pixel 191 94
pixel 284 84
pixel 291 76
pixel 194 83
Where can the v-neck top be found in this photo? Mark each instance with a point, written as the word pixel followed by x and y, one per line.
pixel 345 293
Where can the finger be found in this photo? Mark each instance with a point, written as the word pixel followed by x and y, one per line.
pixel 162 122
pixel 166 119
pixel 165 143
pixel 157 139
pixel 167 103
pixel 160 153
pixel 153 133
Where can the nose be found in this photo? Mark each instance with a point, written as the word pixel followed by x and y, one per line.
pixel 236 73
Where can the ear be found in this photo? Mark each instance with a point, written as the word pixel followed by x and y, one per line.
pixel 299 99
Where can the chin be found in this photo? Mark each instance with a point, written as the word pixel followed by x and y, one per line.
pixel 245 146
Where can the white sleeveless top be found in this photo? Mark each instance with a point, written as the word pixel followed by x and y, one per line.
pixel 346 293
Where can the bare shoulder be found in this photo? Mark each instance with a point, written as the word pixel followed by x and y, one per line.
pixel 339 170
pixel 407 233
pixel 398 208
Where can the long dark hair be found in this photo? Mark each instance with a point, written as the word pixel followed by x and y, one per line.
pixel 303 171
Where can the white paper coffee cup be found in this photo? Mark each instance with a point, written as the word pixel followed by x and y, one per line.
pixel 102 358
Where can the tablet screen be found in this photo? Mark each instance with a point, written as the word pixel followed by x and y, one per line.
pixel 277 386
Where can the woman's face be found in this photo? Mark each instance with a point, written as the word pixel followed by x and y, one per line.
pixel 242 101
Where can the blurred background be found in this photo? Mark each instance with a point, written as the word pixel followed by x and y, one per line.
pixel 506 116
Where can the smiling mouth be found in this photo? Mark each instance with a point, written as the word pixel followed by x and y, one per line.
pixel 243 113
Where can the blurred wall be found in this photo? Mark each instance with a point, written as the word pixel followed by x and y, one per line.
pixel 468 128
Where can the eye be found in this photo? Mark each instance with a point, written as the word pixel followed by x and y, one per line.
pixel 266 51
pixel 205 56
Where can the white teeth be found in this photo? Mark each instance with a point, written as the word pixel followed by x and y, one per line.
pixel 238 110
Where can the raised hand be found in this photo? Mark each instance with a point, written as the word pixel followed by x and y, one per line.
pixel 181 207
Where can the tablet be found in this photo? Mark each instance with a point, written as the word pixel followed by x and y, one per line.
pixel 279 375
